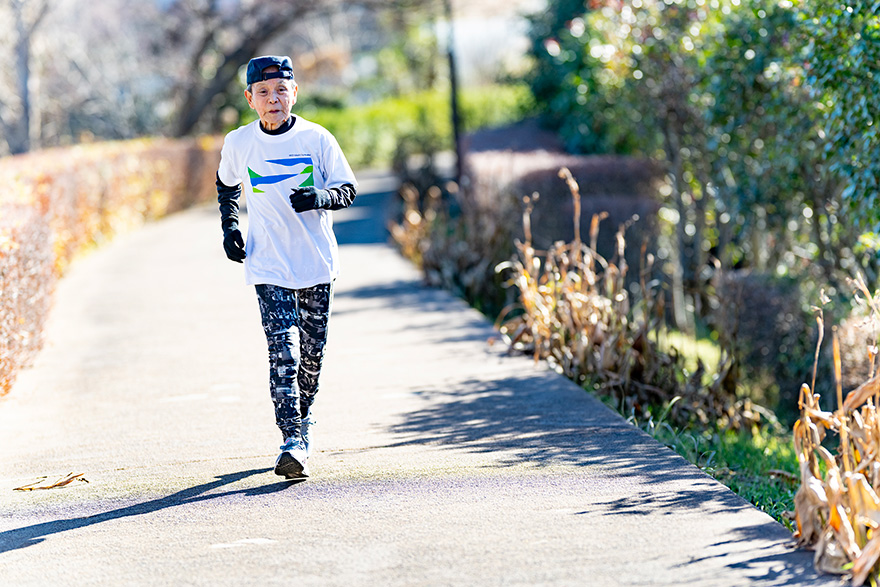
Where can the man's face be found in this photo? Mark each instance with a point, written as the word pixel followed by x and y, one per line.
pixel 272 99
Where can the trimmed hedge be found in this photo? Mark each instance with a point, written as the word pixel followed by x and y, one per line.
pixel 621 187
pixel 458 238
pixel 55 204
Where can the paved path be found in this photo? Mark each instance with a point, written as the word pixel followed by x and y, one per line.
pixel 440 462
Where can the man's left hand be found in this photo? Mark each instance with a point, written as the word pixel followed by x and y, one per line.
pixel 310 198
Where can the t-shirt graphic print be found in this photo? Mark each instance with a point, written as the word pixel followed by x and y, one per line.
pixel 303 173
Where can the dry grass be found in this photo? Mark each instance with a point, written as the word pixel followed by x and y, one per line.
pixel 837 508
pixel 457 251
pixel 570 305
pixel 576 312
pixel 458 236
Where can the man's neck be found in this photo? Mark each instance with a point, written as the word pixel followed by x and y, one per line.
pixel 282 128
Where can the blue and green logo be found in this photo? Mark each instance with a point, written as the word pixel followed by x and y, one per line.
pixel 306 172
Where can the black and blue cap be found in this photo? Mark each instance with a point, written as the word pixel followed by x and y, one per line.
pixel 256 69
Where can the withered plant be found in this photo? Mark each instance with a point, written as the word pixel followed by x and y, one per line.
pixel 575 311
pixel 837 508
pixel 572 306
pixel 457 251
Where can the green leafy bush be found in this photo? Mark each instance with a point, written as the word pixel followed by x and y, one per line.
pixel 762 115
pixel 844 72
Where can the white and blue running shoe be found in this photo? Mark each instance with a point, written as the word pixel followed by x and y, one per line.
pixel 291 463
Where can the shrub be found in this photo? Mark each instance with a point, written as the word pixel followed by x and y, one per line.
pixel 61 202
pixel 622 189
pixel 457 241
pixel 771 335
pixel 26 280
pixel 458 236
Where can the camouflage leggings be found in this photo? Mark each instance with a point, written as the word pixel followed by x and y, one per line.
pixel 295 323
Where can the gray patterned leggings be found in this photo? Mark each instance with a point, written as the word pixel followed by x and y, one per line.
pixel 295 323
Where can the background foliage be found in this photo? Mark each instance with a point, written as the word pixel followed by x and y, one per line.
pixel 844 69
pixel 763 116
pixel 374 134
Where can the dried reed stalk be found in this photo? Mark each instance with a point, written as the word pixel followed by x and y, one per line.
pixel 578 314
pixel 837 508
pixel 62 481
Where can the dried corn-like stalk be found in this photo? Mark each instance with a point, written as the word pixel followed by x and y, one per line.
pixel 837 508
pixel 579 315
pixel 44 483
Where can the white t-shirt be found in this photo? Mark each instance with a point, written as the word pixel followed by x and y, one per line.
pixel 286 248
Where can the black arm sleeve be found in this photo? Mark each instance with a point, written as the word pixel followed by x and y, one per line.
pixel 342 196
pixel 227 197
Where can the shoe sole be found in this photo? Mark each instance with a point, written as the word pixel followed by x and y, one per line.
pixel 290 467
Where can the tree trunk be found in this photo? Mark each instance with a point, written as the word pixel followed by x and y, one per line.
pixel 19 132
pixel 680 258
pixel 19 139
pixel 453 89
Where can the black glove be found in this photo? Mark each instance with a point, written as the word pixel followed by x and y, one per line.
pixel 233 243
pixel 310 198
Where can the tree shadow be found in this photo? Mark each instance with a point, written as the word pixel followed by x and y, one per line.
pixel 543 419
pixel 794 567
pixel 36 533
pixel 450 319
pixel 365 222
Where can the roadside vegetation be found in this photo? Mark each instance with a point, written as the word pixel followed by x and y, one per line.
pixel 603 323
pixel 60 203
pixel 745 136
pixel 379 133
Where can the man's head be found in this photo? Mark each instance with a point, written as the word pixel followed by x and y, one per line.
pixel 271 89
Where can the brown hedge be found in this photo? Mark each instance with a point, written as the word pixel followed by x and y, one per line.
pixel 55 204
pixel 621 187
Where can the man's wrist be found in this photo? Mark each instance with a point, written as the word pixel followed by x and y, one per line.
pixel 323 199
pixel 229 225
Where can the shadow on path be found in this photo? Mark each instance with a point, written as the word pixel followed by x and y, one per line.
pixel 36 533
pixel 534 419
pixel 365 222
pixel 794 567
pixel 541 419
pixel 404 295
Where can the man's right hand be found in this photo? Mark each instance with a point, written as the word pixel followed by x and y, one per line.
pixel 234 245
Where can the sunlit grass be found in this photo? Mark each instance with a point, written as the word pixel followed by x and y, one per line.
pixel 760 467
pixel 690 347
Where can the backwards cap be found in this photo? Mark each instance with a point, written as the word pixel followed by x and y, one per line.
pixel 257 66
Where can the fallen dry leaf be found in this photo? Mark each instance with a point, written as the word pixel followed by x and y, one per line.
pixel 60 482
